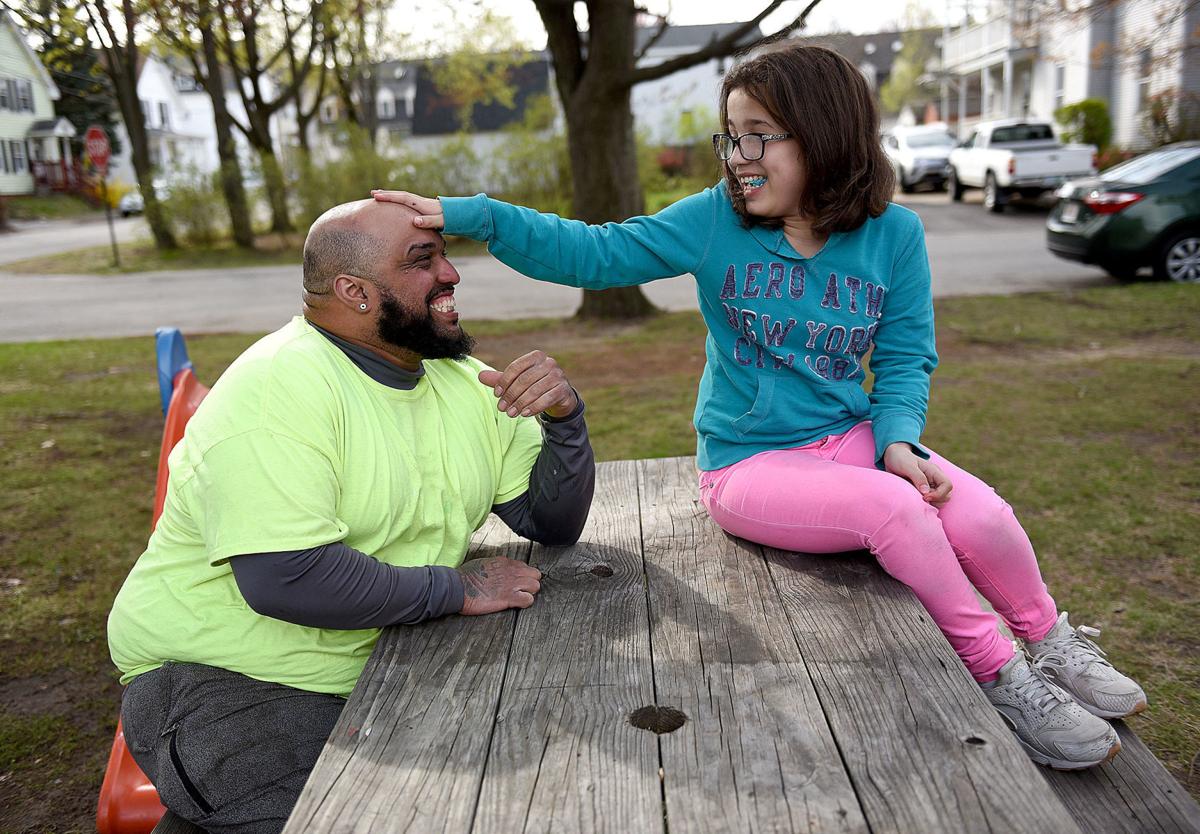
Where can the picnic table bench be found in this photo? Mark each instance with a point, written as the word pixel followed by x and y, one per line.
pixel 672 677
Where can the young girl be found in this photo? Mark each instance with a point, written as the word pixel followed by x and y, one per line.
pixel 801 266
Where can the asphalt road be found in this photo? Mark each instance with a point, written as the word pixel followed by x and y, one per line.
pixel 971 252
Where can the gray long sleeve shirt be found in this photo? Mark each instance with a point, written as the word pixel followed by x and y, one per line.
pixel 336 586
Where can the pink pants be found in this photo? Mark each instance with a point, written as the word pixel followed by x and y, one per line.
pixel 828 497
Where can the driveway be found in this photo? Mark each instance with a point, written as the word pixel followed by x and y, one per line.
pixel 971 252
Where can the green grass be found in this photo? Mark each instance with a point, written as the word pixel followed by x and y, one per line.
pixel 143 256
pixel 51 207
pixel 1081 408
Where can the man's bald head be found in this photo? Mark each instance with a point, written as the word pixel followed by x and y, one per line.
pixel 350 239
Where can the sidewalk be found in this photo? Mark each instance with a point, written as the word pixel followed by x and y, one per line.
pixel 35 238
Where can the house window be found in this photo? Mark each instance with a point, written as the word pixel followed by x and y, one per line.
pixel 386 106
pixel 164 116
pixel 25 95
pixel 1060 85
pixel 1145 73
pixel 17 149
pixel 146 112
pixel 3 154
pixel 6 100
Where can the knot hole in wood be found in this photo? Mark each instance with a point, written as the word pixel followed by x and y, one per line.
pixel 657 719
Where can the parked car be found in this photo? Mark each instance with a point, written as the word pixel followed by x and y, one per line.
pixel 1015 157
pixel 919 155
pixel 1144 212
pixel 132 202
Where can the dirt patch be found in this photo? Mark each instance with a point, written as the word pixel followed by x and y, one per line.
pixel 958 347
pixel 80 376
pixel 57 789
pixel 57 694
pixel 599 358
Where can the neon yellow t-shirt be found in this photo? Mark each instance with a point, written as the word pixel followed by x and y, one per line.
pixel 296 447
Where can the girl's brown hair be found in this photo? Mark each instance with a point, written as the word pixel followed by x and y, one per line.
pixel 824 102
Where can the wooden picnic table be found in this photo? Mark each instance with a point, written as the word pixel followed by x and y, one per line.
pixel 814 691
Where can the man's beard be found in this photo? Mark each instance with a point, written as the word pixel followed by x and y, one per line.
pixel 418 333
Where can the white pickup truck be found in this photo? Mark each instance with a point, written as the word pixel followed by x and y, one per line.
pixel 1015 157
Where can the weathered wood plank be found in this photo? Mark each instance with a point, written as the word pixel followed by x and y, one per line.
pixel 756 753
pixel 407 752
pixel 1132 794
pixel 924 749
pixel 564 757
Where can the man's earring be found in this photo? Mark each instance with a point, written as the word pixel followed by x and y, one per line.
pixel 363 306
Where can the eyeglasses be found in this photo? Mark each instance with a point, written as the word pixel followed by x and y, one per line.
pixel 751 145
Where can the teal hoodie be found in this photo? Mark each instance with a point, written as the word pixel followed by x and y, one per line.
pixel 786 334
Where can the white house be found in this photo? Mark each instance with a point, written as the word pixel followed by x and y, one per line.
pixel 32 139
pixel 175 136
pixel 661 107
pixel 179 123
pixel 1022 61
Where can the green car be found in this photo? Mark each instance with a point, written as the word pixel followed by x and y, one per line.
pixel 1144 212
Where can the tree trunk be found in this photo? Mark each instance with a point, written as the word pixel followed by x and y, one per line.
pixel 602 147
pixel 231 170
pixel 604 164
pixel 259 137
pixel 156 218
pixel 303 120
pixel 276 189
pixel 124 80
pixel 4 225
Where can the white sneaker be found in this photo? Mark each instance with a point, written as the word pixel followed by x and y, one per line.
pixel 1071 660
pixel 1053 729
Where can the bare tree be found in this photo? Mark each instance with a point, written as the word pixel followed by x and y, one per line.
pixel 595 72
pixel 181 24
pixel 244 40
pixel 121 62
pixel 355 54
pixel 310 95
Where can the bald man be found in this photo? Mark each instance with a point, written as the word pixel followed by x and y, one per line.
pixel 327 487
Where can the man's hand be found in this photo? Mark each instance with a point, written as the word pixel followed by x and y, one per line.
pixel 497 583
pixel 532 384
pixel 428 209
pixel 925 475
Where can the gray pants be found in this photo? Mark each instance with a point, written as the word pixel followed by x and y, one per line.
pixel 227 752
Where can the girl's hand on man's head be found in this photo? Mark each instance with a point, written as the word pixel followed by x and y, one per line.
pixel 428 209
pixel 925 475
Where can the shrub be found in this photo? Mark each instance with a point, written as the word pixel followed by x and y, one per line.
pixel 1112 155
pixel 532 166
pixel 195 207
pixel 1172 116
pixel 1086 121
pixel 451 167
pixel 320 183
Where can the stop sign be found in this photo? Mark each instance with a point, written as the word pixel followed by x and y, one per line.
pixel 98 150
